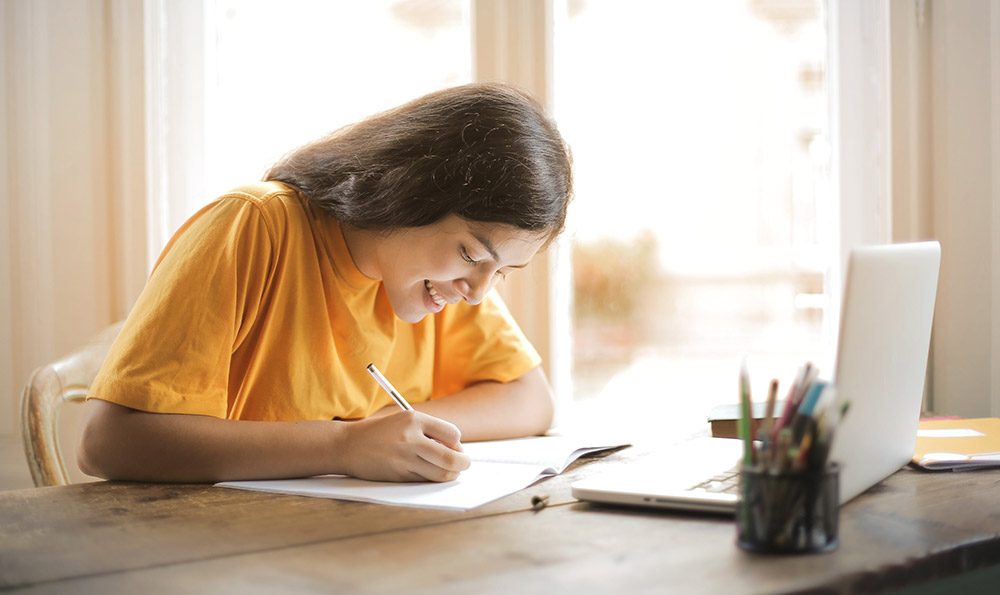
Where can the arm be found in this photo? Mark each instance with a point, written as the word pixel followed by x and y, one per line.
pixel 495 410
pixel 122 443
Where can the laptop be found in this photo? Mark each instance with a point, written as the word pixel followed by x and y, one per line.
pixel 882 351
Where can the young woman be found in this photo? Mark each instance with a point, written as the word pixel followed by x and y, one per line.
pixel 245 356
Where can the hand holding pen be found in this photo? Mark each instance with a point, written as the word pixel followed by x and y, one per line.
pixel 411 447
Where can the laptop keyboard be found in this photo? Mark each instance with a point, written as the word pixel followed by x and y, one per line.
pixel 727 482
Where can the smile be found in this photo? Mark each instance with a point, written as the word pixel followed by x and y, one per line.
pixel 437 298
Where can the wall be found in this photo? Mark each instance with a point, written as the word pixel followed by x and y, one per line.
pixel 71 178
pixel 964 160
pixel 920 94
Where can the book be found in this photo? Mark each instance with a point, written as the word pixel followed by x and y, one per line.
pixel 957 444
pixel 499 468
pixel 724 419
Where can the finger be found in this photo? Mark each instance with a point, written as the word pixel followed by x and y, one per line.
pixel 444 432
pixel 442 456
pixel 426 471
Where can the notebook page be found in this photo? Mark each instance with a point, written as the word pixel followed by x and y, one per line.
pixel 498 468
pixel 482 482
pixel 553 453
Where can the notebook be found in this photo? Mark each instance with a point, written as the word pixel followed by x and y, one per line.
pixel 499 468
pixel 958 444
pixel 882 351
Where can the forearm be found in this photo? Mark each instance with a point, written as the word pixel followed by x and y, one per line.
pixel 494 410
pixel 120 443
pixel 123 443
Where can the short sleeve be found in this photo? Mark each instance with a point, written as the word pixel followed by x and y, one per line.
pixel 173 354
pixel 477 343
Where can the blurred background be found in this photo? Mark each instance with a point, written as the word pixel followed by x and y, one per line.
pixel 694 236
pixel 727 153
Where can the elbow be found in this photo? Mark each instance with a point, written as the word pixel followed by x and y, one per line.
pixel 95 451
pixel 88 463
pixel 540 401
pixel 547 414
pixel 89 456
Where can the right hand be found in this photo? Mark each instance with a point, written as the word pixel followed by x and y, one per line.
pixel 404 446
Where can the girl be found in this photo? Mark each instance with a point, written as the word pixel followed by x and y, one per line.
pixel 245 355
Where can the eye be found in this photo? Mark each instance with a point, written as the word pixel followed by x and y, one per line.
pixel 467 258
pixel 502 275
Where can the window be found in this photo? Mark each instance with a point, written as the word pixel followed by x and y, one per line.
pixel 280 74
pixel 699 138
pixel 234 85
pixel 706 224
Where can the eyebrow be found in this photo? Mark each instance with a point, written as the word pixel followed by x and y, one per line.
pixel 488 245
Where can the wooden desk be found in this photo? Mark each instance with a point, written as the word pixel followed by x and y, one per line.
pixel 119 538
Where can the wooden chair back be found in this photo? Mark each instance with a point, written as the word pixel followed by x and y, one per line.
pixel 66 380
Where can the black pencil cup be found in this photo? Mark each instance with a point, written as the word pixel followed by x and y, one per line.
pixel 788 512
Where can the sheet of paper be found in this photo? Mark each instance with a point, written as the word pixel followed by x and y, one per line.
pixel 498 468
pixel 554 452
pixel 949 433
pixel 482 482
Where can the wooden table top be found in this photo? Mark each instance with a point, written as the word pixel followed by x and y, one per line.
pixel 122 537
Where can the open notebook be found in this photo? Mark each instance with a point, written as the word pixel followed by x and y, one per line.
pixel 499 468
pixel 958 444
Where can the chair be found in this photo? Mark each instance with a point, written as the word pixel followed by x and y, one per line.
pixel 66 380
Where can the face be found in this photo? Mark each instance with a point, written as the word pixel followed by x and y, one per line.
pixel 426 268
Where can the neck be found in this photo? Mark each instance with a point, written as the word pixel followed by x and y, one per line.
pixel 361 244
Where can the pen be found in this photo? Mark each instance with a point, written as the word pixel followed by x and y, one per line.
pixel 389 388
pixel 790 404
pixel 801 453
pixel 804 419
pixel 808 405
pixel 784 446
pixel 766 432
pixel 539 502
pixel 825 433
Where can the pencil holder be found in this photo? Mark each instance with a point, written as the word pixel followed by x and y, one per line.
pixel 788 512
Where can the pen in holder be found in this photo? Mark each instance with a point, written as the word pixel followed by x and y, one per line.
pixel 789 492
pixel 788 511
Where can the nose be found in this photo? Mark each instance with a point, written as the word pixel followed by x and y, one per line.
pixel 474 288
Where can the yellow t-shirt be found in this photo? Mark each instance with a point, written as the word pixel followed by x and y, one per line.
pixel 255 310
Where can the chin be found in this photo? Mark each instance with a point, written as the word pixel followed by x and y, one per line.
pixel 409 307
pixel 412 318
pixel 410 315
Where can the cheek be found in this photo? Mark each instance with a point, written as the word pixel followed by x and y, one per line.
pixel 441 272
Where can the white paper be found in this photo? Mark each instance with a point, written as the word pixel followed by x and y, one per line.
pixel 498 468
pixel 549 452
pixel 949 433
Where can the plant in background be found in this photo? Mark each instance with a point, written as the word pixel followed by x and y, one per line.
pixel 610 276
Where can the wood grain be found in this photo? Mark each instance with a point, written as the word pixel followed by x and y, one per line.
pixel 116 537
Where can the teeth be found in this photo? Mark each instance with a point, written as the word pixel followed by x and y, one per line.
pixel 435 296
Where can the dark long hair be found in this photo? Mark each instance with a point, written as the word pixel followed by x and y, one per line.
pixel 485 152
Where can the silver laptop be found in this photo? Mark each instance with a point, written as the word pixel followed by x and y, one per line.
pixel 885 330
